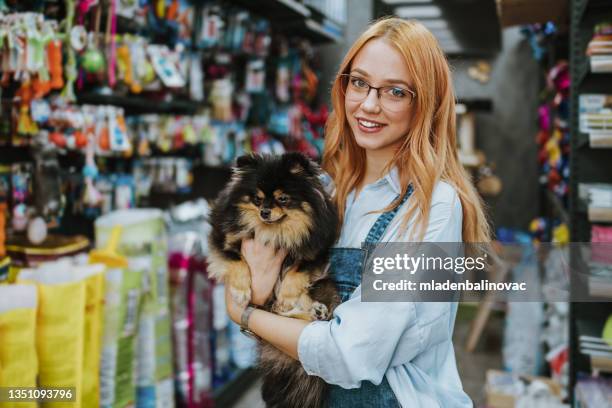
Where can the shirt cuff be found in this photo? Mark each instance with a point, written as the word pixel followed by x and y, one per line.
pixel 308 346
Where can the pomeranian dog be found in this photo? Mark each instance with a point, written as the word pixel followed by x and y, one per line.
pixel 280 201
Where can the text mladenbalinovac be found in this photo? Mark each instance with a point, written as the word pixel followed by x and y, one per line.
pixel 482 285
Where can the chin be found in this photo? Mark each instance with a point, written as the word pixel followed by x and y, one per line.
pixel 373 142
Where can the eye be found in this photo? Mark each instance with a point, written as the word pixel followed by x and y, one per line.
pixel 358 83
pixel 397 92
pixel 283 199
pixel 257 200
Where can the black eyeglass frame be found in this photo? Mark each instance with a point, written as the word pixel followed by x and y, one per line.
pixel 370 87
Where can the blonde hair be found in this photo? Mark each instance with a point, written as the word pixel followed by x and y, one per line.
pixel 428 153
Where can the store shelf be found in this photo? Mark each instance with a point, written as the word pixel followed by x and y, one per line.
pixel 227 394
pixel 295 20
pixel 323 32
pixel 586 76
pixel 275 9
pixel 587 165
pixel 592 6
pixel 583 141
pixel 476 105
pixel 15 154
pixel 141 104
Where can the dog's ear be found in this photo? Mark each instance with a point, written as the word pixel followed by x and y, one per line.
pixel 248 160
pixel 298 163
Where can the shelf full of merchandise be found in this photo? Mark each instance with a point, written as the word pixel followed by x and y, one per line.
pixel 297 20
pixel 586 165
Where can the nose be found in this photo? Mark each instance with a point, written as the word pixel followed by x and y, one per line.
pixel 265 213
pixel 371 103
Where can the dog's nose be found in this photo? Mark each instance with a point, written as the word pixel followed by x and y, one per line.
pixel 265 213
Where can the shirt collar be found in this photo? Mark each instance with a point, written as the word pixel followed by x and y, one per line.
pixel 392 177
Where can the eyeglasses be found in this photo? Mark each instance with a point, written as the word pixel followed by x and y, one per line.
pixel 392 98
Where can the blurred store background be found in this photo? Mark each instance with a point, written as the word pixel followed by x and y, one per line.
pixel 120 120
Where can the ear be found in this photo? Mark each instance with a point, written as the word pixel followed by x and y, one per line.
pixel 298 163
pixel 248 160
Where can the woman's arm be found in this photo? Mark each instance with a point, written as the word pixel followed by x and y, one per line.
pixel 282 332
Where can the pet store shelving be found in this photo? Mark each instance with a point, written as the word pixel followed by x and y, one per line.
pixel 139 104
pixel 586 165
pixel 296 19
pixel 288 17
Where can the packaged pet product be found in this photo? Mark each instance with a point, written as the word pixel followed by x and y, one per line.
pixel 93 276
pixel 94 297
pixel 190 294
pixel 146 339
pixel 116 387
pixel 220 339
pixel 143 236
pixel 121 301
pixel 60 327
pixel 18 361
pixel 192 315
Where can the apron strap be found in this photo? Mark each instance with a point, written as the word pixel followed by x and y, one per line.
pixel 383 221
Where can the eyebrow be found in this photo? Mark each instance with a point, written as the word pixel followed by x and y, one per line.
pixel 390 80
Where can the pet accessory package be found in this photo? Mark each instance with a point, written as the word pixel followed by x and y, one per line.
pixel 94 298
pixel 143 242
pixel 60 326
pixel 18 359
pixel 191 303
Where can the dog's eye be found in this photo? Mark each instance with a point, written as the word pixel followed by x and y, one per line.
pixel 257 200
pixel 283 199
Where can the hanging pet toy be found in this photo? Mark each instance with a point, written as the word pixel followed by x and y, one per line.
pixel 91 196
pixel 71 66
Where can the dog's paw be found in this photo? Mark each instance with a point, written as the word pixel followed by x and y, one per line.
pixel 284 305
pixel 241 297
pixel 319 311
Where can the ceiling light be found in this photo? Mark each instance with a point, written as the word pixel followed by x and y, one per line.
pixel 418 12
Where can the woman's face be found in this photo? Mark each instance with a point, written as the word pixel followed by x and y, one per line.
pixel 379 124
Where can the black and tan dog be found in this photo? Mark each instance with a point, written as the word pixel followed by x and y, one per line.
pixel 280 201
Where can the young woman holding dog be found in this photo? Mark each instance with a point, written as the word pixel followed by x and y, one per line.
pixel 390 147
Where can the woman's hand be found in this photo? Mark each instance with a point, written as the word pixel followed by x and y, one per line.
pixel 265 265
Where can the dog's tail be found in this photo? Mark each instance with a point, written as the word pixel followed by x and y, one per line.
pixel 286 384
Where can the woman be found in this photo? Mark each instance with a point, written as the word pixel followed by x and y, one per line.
pixel 390 151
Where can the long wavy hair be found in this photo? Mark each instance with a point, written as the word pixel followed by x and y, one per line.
pixel 428 153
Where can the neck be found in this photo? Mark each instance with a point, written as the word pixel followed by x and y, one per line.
pixel 376 161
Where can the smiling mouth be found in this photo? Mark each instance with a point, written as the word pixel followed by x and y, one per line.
pixel 369 124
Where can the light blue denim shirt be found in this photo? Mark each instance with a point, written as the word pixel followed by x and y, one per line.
pixel 409 343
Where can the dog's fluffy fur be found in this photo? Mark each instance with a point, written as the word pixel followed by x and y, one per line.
pixel 280 200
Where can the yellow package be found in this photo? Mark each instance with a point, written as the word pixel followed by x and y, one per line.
pixel 18 363
pixel 59 328
pixel 94 298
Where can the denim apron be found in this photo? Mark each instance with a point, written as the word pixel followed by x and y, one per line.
pixel 345 269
